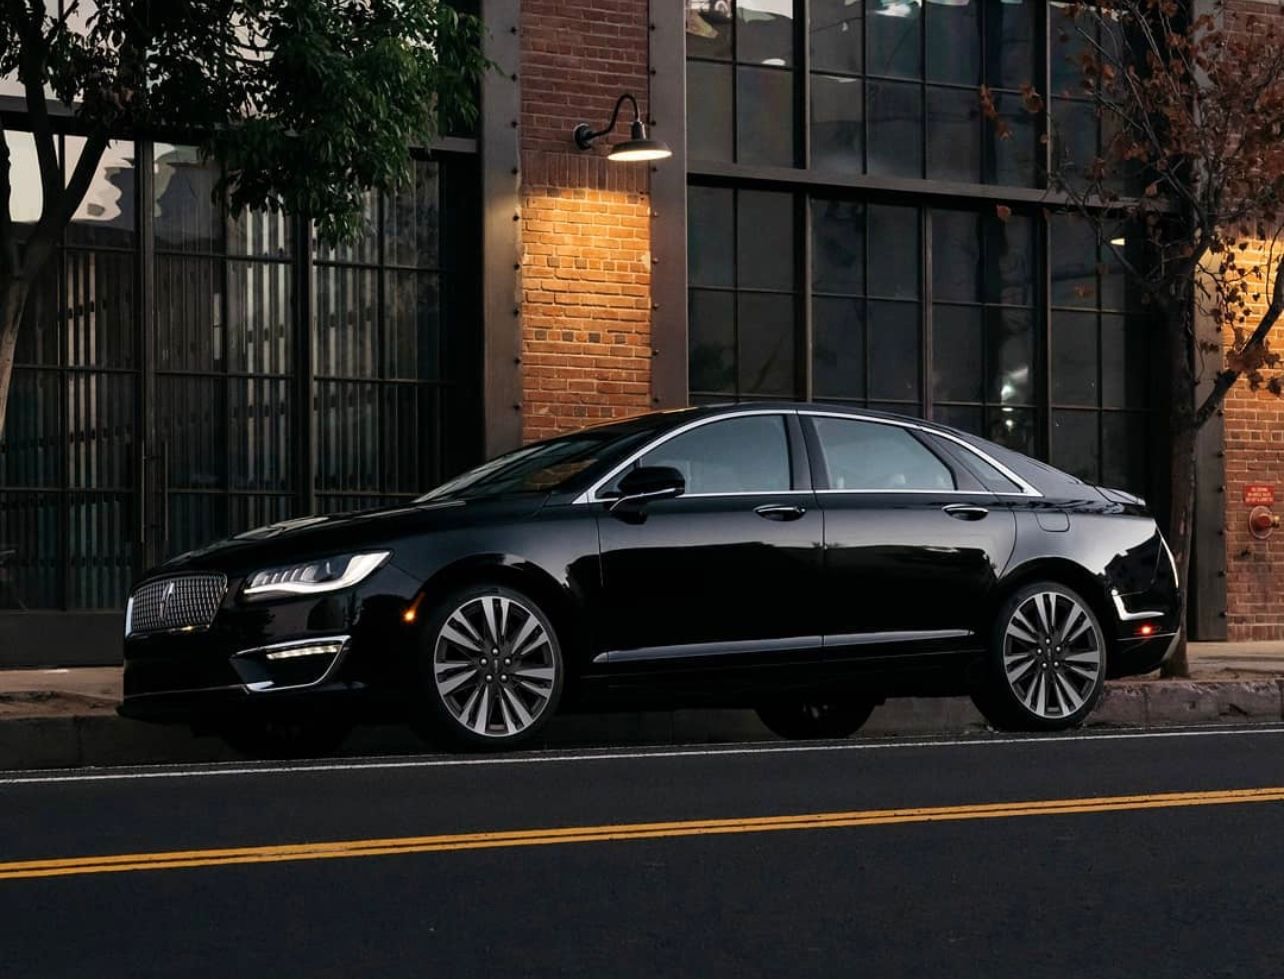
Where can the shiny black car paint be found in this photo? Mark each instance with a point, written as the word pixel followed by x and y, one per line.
pixel 724 599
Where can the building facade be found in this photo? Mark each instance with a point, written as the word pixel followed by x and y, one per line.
pixel 838 222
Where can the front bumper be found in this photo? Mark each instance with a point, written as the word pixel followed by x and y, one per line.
pixel 272 656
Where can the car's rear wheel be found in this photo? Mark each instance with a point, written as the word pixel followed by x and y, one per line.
pixel 1046 667
pixel 493 666
pixel 806 719
pixel 303 736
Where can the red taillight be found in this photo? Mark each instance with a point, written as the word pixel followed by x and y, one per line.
pixel 1146 630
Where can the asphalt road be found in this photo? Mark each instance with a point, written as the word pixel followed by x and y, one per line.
pixel 1127 854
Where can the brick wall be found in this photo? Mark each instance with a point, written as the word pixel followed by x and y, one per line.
pixel 1254 446
pixel 586 263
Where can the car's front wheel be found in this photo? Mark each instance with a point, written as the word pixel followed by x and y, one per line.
pixel 806 719
pixel 1046 668
pixel 493 668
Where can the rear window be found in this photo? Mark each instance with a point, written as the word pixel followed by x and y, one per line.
pixel 991 476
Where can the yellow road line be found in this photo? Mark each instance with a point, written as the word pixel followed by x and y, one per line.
pixel 173 860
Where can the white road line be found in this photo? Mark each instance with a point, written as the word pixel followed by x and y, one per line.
pixel 767 748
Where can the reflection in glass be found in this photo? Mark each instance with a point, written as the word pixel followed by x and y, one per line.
pixel 709 130
pixel 838 246
pixel 837 35
pixel 957 363
pixel 1009 356
pixel 1125 361
pixel 765 31
pixel 893 251
pixel 765 116
pixel 764 240
pixel 1074 358
pixel 1075 445
pixel 765 327
pixel 956 255
pixel 953 135
pixel 187 218
pixel 1123 455
pixel 895 129
pixel 1014 427
pixel 1010 42
pixel 710 236
pixel 1074 261
pixel 708 28
pixel 838 355
pixel 893 28
pixel 712 354
pixel 26 196
pixel 954 41
pixel 1014 161
pixel 106 215
pixel 893 351
pixel 1009 260
pixel 837 124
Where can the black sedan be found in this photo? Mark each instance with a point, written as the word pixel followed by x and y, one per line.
pixel 804 560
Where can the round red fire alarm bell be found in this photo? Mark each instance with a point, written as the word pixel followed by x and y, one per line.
pixel 1261 522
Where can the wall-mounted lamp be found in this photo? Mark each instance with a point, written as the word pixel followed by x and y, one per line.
pixel 639 146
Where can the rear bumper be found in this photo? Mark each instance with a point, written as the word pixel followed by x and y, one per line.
pixel 1133 657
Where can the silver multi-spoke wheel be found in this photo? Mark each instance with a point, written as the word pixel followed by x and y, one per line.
pixel 495 666
pixel 1053 654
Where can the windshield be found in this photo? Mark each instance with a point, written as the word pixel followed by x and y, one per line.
pixel 543 467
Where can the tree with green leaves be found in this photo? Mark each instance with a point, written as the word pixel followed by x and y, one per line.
pixel 305 105
pixel 1190 97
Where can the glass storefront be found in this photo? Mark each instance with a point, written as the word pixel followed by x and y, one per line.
pixel 860 233
pixel 284 376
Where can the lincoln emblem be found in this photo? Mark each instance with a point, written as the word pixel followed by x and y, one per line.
pixel 165 597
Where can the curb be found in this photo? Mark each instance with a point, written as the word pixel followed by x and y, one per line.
pixel 73 741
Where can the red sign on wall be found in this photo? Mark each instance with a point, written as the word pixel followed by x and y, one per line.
pixel 1259 494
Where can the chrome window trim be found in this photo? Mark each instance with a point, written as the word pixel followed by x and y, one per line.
pixel 1027 490
pixel 590 494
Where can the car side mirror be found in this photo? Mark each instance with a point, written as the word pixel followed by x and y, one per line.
pixel 650 483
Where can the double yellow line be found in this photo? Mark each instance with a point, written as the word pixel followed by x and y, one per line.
pixel 181 859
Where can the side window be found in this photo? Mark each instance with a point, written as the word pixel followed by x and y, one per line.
pixel 738 455
pixel 862 455
pixel 990 477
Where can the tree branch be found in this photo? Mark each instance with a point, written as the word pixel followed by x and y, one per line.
pixel 32 60
pixel 1226 379
pixel 56 217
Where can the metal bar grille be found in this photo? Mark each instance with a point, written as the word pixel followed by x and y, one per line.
pixel 182 602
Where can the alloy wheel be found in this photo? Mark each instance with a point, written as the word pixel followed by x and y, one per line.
pixel 1052 654
pixel 495 666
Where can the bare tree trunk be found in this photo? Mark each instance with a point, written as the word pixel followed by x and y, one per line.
pixel 13 297
pixel 1181 520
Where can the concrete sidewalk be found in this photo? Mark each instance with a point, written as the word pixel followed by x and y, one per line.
pixel 66 717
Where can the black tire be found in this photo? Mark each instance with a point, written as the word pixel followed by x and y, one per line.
pixel 519 696
pixel 286 737
pixel 1067 649
pixel 800 720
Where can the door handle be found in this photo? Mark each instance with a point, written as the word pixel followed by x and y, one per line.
pixel 966 511
pixel 780 511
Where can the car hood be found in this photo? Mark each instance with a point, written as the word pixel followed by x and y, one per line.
pixel 305 538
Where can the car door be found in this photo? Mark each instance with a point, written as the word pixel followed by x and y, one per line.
pixel 914 543
pixel 731 568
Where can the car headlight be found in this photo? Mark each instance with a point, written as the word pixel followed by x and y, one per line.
pixel 314 577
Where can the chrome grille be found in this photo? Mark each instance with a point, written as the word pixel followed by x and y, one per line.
pixel 183 602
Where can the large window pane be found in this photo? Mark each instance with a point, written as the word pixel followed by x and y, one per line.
pixel 957 361
pixel 1075 445
pixel 765 240
pixel 1124 443
pixel 838 354
pixel 956 255
pixel 262 443
pixel 895 129
pixel 765 116
pixel 260 317
pixel 765 31
pixel 893 27
pixel 709 122
pixel 1010 266
pixel 107 215
pixel 31 525
pixel 31 449
pixel 347 317
pixel 767 338
pixel 1010 42
pixel 893 351
pixel 711 236
pixel 837 124
pixel 412 218
pixel 100 536
pixel 1074 141
pixel 190 333
pixel 100 431
pixel 893 251
pixel 1016 160
pixel 838 246
pixel 953 135
pixel 1074 358
pixel 837 35
pixel 412 326
pixel 954 42
pixel 1074 261
pixel 187 218
pixel 709 27
pixel 1010 356
pixel 1017 428
pixel 712 354
pixel 1125 361
pixel 100 309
